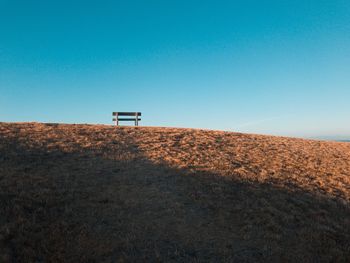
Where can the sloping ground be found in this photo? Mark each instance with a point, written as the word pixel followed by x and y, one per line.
pixel 93 193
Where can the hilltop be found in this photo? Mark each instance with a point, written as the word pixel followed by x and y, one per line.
pixel 98 193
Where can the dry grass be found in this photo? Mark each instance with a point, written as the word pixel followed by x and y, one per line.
pixel 93 193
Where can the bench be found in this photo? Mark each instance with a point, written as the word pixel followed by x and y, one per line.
pixel 135 116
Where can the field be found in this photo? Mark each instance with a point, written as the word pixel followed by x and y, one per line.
pixel 98 193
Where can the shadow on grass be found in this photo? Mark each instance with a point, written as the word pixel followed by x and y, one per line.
pixel 83 206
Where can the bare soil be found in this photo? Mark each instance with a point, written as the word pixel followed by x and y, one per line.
pixel 97 193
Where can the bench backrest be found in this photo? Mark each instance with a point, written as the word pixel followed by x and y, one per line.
pixel 126 113
pixel 136 116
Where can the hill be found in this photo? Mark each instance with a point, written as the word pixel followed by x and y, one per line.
pixel 95 193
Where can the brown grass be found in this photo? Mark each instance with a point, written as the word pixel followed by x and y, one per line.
pixel 94 193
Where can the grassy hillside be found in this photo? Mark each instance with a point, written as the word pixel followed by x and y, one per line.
pixel 93 193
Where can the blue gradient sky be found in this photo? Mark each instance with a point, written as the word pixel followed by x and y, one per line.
pixel 273 67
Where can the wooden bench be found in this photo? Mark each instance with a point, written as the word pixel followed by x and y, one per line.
pixel 135 116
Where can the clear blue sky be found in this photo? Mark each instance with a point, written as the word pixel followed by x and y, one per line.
pixel 273 67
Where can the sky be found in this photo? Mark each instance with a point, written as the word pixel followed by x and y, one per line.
pixel 269 67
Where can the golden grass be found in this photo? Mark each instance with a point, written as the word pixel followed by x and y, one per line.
pixel 95 193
